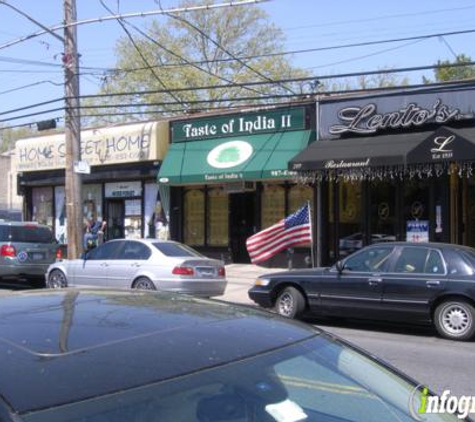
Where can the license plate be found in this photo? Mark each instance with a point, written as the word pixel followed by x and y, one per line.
pixel 208 272
pixel 37 256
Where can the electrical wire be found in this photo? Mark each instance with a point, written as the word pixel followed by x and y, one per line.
pixel 254 83
pixel 396 90
pixel 220 46
pixel 139 51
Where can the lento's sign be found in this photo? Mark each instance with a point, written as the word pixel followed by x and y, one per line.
pixel 121 144
pixel 239 125
pixel 367 120
pixel 403 111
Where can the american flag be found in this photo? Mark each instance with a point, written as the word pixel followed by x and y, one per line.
pixel 290 231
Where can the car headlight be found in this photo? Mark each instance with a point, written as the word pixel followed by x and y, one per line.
pixel 262 282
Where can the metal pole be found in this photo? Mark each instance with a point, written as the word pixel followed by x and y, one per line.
pixel 312 247
pixel 74 227
pixel 319 193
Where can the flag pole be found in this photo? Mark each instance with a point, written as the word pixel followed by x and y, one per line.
pixel 311 233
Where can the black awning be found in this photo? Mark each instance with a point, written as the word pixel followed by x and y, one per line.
pixel 443 146
pixel 375 151
pixel 405 150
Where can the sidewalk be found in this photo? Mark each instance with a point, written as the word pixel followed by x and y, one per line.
pixel 241 278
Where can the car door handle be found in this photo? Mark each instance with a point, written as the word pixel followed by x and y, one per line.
pixel 136 264
pixel 104 264
pixel 432 283
pixel 374 281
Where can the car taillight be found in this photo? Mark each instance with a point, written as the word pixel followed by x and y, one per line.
pixel 59 253
pixel 183 271
pixel 8 250
pixel 222 272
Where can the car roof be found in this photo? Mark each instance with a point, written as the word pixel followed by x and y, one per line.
pixel 22 223
pixel 84 343
pixel 439 245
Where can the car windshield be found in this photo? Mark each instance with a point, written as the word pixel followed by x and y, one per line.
pixel 176 249
pixel 315 381
pixel 26 234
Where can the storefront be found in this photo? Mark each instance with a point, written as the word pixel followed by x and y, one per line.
pixel 228 178
pixel 393 167
pixel 120 189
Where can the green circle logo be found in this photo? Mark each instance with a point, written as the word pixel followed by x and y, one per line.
pixel 229 154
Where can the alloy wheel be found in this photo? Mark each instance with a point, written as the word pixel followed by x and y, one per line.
pixel 286 304
pixel 456 319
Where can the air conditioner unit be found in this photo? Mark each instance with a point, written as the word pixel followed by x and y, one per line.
pixel 241 186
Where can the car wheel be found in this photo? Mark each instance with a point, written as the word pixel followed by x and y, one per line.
pixel 144 283
pixel 290 303
pixel 56 280
pixel 455 320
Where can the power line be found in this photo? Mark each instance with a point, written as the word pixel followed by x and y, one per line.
pixel 124 16
pixel 379 18
pixel 228 81
pixel 453 86
pixel 30 85
pixel 254 83
pixel 220 46
pixel 137 48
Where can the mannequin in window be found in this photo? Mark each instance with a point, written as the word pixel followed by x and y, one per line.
pixel 94 233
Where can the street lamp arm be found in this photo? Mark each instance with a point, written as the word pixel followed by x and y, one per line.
pixel 115 17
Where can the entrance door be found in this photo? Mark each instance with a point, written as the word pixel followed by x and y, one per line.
pixel 241 224
pixel 115 219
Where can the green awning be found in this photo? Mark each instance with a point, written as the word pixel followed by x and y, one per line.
pixel 253 157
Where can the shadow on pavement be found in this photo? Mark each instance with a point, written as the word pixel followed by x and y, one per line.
pixel 372 326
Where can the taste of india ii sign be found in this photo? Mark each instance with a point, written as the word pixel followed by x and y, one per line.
pixel 235 152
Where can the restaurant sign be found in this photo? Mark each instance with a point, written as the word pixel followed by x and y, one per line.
pixel 404 112
pixel 367 120
pixel 239 124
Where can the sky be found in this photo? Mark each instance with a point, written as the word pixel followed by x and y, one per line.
pixel 307 25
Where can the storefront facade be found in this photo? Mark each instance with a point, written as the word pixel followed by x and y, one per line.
pixel 228 178
pixel 120 189
pixel 393 167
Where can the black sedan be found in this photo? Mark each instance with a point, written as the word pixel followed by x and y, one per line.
pixel 72 355
pixel 428 283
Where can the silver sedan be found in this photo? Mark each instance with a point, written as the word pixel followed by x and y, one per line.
pixel 142 264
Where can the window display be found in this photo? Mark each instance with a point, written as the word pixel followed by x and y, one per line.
pixel 42 205
pixel 218 218
pixel 194 217
pixel 273 205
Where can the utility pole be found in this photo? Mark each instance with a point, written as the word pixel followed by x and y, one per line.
pixel 72 131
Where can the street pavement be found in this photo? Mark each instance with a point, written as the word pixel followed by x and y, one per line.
pixel 417 351
pixel 241 278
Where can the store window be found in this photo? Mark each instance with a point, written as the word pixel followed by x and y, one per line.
pixel 350 211
pixel 60 218
pixel 152 210
pixel 218 218
pixel 42 205
pixel 299 196
pixel 92 202
pixel 194 220
pixel 272 205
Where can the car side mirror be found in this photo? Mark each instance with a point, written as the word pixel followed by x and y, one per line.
pixel 339 266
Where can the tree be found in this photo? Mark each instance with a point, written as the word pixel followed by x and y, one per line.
pixel 198 49
pixel 364 82
pixel 445 74
pixel 10 136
